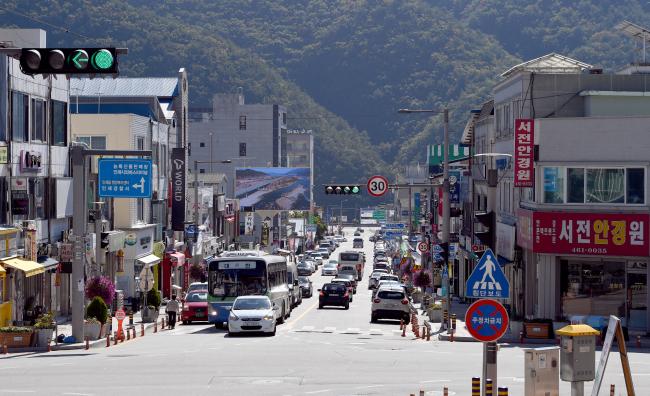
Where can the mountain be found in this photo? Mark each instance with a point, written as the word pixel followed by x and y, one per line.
pixel 343 67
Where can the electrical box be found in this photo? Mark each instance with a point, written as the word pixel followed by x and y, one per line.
pixel 577 353
pixel 542 371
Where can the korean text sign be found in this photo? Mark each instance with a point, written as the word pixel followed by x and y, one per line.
pixel 591 233
pixel 524 153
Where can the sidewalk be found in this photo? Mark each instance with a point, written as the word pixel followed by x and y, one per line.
pixel 64 326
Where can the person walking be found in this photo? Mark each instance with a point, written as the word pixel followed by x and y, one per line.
pixel 173 309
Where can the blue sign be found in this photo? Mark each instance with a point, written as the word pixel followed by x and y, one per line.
pixel 437 248
pixel 487 280
pixel 437 257
pixel 310 228
pixel 125 178
pixel 454 186
pixel 395 225
pixel 393 234
pixel 486 320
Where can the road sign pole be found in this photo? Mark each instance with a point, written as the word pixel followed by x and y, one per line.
pixel 490 363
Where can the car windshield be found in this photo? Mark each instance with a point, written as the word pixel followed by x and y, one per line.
pixel 389 277
pixel 350 256
pixel 330 265
pixel 303 279
pixel 236 278
pixel 197 297
pixel 333 287
pixel 251 304
pixel 347 276
pixel 390 295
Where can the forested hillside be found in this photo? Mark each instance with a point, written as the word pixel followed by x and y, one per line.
pixel 343 67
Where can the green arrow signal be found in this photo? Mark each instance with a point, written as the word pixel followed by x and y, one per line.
pixel 80 59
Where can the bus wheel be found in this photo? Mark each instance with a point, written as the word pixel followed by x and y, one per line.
pixel 281 318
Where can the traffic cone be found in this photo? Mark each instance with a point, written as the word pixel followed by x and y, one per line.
pixel 108 340
pixel 87 343
pixel 141 330
pixel 612 390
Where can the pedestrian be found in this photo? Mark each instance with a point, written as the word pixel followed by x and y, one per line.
pixel 173 309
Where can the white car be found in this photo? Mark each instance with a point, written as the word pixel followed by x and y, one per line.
pixel 253 314
pixel 330 269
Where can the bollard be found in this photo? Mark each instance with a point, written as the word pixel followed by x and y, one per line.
pixel 421 392
pixel 476 386
pixel 128 334
pixel 638 341
pixel 141 330
pixel 428 333
pixel 130 318
pixel 612 390
pixel 451 336
pixel 502 391
pixel 445 318
pixel 424 332
pixel 155 326
pixel 49 346
pixel 162 324
pixel 453 321
pixel 488 387
pixel 133 329
pixel 115 338
pixel 87 343
pixel 445 391
pixel 108 340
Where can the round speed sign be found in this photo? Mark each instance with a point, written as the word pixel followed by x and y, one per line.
pixel 377 186
pixel 120 314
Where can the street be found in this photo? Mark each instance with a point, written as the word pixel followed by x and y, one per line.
pixel 328 351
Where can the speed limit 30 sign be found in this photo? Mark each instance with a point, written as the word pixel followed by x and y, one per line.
pixel 377 186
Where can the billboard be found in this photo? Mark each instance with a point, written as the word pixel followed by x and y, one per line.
pixel 524 152
pixel 177 190
pixel 273 188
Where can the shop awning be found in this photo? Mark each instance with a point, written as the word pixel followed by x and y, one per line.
pixel 30 268
pixel 3 272
pixel 177 259
pixel 49 263
pixel 149 260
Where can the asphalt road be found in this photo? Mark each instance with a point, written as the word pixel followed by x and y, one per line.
pixel 317 352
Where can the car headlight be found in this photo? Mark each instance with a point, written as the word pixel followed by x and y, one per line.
pixel 269 316
pixel 233 316
pixel 214 313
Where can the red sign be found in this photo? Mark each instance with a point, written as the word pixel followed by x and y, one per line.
pixel 524 142
pixel 423 247
pixel 594 234
pixel 486 320
pixel 119 314
pixel 377 186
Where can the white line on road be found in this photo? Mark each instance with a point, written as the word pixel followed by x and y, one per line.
pixel 78 394
pixel 315 392
pixel 16 391
pixel 368 386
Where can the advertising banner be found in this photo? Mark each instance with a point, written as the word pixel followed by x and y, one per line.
pixel 594 234
pixel 454 186
pixel 249 223
pixel 524 152
pixel 273 188
pixel 178 189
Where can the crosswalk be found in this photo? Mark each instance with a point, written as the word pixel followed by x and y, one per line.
pixel 350 330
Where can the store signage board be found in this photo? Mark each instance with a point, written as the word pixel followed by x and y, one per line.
pixel 593 234
pixel 614 329
pixel 400 226
pixel 486 320
pixel 487 279
pixel 524 172
pixel 177 191
pixel 4 154
pixel 125 178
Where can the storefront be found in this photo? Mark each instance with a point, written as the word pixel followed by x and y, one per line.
pixel 596 262
pixel 25 288
pixel 7 250
pixel 138 244
pixel 173 272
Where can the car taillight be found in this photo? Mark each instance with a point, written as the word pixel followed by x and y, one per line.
pixel 376 300
pixel 322 294
pixel 405 301
pixel 346 294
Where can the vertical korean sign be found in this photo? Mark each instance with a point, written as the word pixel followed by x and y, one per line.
pixel 524 141
pixel 178 189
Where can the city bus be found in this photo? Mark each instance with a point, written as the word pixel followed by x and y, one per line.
pixel 352 257
pixel 244 274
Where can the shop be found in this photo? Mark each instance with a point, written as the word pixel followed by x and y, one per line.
pixel 138 244
pixel 597 264
pixel 24 289
pixel 173 272
pixel 7 250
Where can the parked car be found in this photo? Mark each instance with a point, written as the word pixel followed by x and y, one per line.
pixel 306 286
pixel 253 314
pixel 334 294
pixel 390 302
pixel 195 306
pixel 329 269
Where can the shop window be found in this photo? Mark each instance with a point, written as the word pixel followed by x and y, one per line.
pixel 38 120
pixel 4 201
pixel 553 185
pixel 242 149
pixel 605 186
pixel 19 117
pixel 242 122
pixel 576 185
pixel 37 187
pixel 59 123
pixel 139 143
pixel 635 191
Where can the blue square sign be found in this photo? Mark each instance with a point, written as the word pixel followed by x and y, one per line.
pixel 125 178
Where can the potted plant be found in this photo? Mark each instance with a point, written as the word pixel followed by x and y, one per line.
pixel 16 337
pixel 150 312
pixel 96 316
pixel 44 328
pixel 434 311
pixel 100 286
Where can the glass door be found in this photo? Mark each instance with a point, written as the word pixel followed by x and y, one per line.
pixel 637 295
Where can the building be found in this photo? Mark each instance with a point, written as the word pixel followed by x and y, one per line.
pixel 136 114
pixel 571 218
pixel 35 186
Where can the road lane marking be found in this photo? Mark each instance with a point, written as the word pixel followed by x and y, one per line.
pixel 16 391
pixel 305 329
pixel 78 394
pixel 329 330
pixel 434 381
pixel 320 391
pixel 368 386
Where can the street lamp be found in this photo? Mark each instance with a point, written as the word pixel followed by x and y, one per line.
pixel 445 198
pixel 196 189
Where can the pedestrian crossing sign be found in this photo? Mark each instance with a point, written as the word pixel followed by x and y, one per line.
pixel 487 280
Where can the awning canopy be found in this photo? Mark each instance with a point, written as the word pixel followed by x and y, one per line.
pixel 30 268
pixel 49 263
pixel 3 272
pixel 177 259
pixel 149 260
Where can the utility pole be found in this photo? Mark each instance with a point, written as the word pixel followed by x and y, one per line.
pixel 445 210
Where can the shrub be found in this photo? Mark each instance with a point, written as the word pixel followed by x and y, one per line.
pixel 197 272
pixel 45 321
pixel 100 286
pixel 97 309
pixel 153 298
pixel 422 279
pixel 15 329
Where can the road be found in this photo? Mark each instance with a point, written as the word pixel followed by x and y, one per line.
pixel 317 352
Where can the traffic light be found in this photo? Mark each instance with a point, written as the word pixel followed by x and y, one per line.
pixel 68 61
pixel 343 189
pixel 487 220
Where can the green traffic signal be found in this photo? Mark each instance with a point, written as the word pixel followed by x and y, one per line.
pixel 102 59
pixel 355 190
pixel 69 61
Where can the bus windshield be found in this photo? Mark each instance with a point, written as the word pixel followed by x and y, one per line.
pixel 236 278
pixel 349 257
